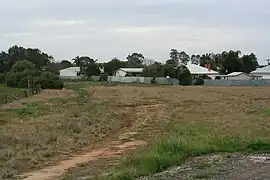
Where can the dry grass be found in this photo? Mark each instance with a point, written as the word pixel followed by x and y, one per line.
pixel 40 133
pixel 196 121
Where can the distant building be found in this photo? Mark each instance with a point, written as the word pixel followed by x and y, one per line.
pixel 128 72
pixel 263 72
pixel 70 73
pixel 238 76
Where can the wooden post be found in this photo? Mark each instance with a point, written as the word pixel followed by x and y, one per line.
pixel 6 99
pixel 28 84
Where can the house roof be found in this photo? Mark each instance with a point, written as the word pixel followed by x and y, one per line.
pixel 264 70
pixel 234 74
pixel 74 69
pixel 132 70
pixel 195 69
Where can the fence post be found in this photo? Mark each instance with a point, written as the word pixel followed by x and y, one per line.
pixel 25 93
pixel 6 99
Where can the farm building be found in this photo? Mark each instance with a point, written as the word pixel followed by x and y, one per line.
pixel 263 72
pixel 70 73
pixel 199 70
pixel 238 76
pixel 128 72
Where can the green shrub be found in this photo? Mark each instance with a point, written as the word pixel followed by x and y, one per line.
pixel 2 78
pixel 104 77
pixel 199 81
pixel 20 79
pixel 153 80
pixel 49 80
pixel 45 80
pixel 184 76
pixel 21 66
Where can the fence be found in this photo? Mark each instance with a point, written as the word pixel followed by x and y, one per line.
pixel 71 77
pixel 143 80
pixel 4 99
pixel 223 82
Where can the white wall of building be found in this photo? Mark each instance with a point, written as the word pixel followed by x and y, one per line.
pixel 70 73
pixel 263 75
pixel 120 72
pixel 239 77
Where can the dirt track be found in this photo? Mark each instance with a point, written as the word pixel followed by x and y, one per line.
pixel 114 146
pixel 55 171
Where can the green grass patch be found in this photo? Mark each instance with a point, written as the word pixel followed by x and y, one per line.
pixel 4 90
pixel 7 91
pixel 184 141
pixel 28 109
pixel 79 86
pixel 266 112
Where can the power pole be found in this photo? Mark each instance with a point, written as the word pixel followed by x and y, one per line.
pixel 268 61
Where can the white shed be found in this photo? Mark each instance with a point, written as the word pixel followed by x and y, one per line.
pixel 128 71
pixel 70 73
pixel 263 72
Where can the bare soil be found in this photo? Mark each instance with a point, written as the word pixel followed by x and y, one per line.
pixel 59 169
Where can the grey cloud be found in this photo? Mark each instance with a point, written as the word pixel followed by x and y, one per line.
pixel 105 29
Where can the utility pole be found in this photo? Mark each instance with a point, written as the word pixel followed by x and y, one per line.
pixel 268 61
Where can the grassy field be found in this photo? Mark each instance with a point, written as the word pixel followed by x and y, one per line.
pixel 7 91
pixel 175 122
pixel 195 121
pixel 4 90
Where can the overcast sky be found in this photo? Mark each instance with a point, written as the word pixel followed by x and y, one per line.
pixel 115 28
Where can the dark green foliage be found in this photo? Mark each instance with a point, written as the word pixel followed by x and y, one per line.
pixel 85 63
pixel 199 81
pixel 21 66
pixel 23 74
pixel 104 77
pixel 48 80
pixel 218 77
pixel 92 69
pixel 154 70
pixel 17 53
pixel 2 78
pixel 184 76
pixel 135 60
pixel 113 65
pixel 20 79
pixel 153 81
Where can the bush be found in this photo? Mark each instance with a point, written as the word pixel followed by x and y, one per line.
pixel 45 80
pixel 153 80
pixel 48 80
pixel 20 79
pixel 218 77
pixel 21 66
pixel 2 78
pixel 184 76
pixel 104 77
pixel 199 81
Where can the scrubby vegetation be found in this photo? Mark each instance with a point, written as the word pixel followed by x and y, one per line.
pixel 26 69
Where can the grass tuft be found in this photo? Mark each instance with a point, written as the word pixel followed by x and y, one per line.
pixel 177 146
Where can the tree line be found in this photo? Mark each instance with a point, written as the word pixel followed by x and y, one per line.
pixel 27 68
pixel 225 62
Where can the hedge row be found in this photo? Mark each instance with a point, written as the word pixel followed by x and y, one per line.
pixel 33 78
